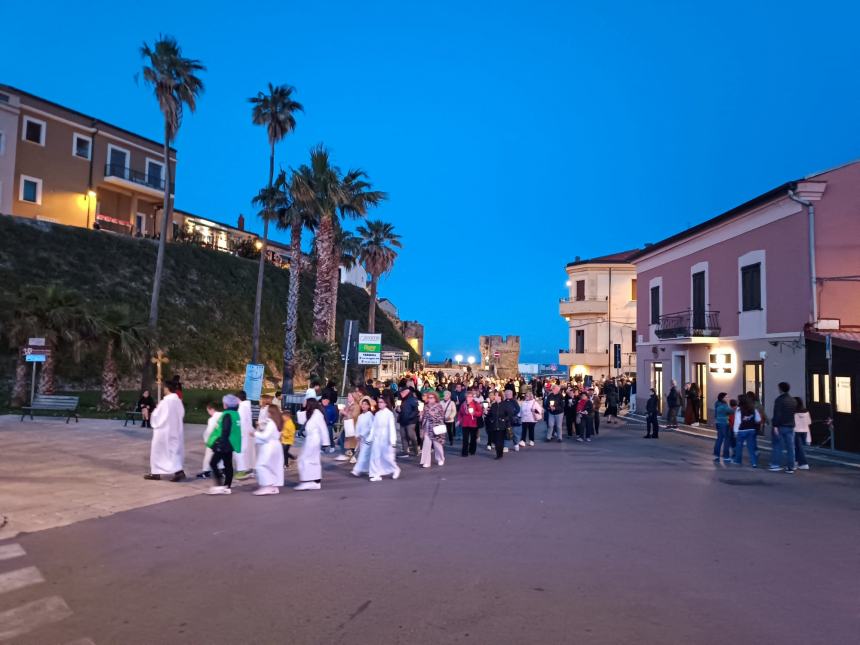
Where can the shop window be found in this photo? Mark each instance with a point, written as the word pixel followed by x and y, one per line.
pixel 843 394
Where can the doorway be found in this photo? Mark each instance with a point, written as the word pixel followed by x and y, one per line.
pixel 701 379
pixel 754 378
pixel 699 300
pixel 657 381
pixel 679 370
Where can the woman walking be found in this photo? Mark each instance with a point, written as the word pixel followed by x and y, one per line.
pixel 269 467
pixel 469 417
pixel 316 436
pixel 724 435
pixel 449 406
pixel 802 433
pixel 363 431
pixel 747 422
pixel 383 441
pixel 433 430
pixel 530 413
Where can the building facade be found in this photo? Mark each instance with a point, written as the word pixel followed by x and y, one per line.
pixel 59 165
pixel 736 303
pixel 600 310
pixel 500 355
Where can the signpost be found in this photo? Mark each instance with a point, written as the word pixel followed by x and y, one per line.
pixel 35 352
pixel 254 381
pixel 349 332
pixel 369 349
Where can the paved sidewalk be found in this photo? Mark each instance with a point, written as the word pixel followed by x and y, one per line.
pixel 56 474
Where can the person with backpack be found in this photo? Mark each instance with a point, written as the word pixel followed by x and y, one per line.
pixel 745 425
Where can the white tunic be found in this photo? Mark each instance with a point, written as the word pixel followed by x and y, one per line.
pixel 316 436
pixel 168 437
pixel 210 428
pixel 363 429
pixel 269 466
pixel 383 439
pixel 245 459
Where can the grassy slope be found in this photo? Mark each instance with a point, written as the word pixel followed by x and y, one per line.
pixel 207 296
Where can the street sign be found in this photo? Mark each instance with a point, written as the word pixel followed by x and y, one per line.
pixel 496 354
pixel 369 349
pixel 36 342
pixel 254 381
pixel 35 358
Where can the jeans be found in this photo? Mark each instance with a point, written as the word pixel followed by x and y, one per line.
pixel 470 440
pixel 652 425
pixel 528 431
pixel 746 437
pixel 408 438
pixel 554 421
pixel 724 441
pixel 799 452
pixel 783 440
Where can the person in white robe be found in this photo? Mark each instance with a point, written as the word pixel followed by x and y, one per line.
pixel 245 460
pixel 168 438
pixel 383 440
pixel 214 416
pixel 269 467
pixel 316 436
pixel 363 429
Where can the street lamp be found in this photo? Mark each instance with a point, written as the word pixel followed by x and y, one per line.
pixel 428 356
pixel 471 360
pixel 568 284
pixel 458 358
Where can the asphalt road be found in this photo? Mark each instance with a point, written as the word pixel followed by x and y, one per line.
pixel 619 541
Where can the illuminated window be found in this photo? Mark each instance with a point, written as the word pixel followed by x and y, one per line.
pixel 843 394
pixel 633 289
pixel 816 388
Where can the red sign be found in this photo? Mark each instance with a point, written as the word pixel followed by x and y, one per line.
pixel 497 354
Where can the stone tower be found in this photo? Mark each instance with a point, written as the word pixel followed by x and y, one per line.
pixel 506 364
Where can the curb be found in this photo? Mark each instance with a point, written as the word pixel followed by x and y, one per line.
pixel 763 444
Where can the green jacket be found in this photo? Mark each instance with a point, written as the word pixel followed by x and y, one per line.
pixel 234 428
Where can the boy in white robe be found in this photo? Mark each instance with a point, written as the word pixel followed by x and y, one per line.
pixel 168 438
pixel 245 460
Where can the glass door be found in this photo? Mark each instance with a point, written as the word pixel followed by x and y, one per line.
pixel 657 380
pixel 701 379
pixel 754 378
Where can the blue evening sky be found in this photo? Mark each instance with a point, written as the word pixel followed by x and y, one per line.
pixel 511 136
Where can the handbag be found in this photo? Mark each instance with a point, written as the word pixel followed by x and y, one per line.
pixel 440 429
pixel 302 417
pixel 348 428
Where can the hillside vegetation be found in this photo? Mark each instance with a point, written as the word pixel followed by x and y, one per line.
pixel 207 297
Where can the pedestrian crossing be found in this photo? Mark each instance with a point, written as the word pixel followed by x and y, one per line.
pixel 31 616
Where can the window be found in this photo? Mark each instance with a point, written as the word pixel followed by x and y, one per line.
pixel 31 190
pixel 82 147
pixel 655 305
pixel 580 289
pixel 2 142
pixel 633 289
pixel 843 394
pixel 633 340
pixel 580 341
pixel 751 287
pixel 117 162
pixel 820 389
pixel 34 131
pixel 154 173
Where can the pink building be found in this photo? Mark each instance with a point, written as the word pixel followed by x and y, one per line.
pixel 741 301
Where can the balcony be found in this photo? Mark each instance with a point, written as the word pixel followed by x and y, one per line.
pixel 575 307
pixel 570 358
pixel 686 324
pixel 123 176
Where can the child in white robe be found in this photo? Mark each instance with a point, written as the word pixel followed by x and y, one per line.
pixel 363 430
pixel 269 467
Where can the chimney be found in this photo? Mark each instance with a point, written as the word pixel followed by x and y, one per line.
pixel 241 223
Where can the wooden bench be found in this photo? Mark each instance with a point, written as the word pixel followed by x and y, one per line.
pixel 132 415
pixel 52 403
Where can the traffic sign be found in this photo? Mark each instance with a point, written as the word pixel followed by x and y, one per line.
pixel 254 381
pixel 496 354
pixel 369 349
pixel 36 342
pixel 35 358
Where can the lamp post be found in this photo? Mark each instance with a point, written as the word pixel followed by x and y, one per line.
pixel 471 360
pixel 427 354
pixel 458 358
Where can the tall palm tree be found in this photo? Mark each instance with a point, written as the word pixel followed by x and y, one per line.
pixel 295 218
pixel 346 250
pixel 176 85
pixel 122 335
pixel 378 254
pixel 276 110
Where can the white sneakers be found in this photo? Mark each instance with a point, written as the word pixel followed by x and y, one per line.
pixel 341 458
pixel 803 467
pixel 308 486
pixel 531 443
pixel 376 479
pixel 219 490
pixel 266 490
pixel 442 463
pixel 505 449
pixel 522 444
pixel 353 460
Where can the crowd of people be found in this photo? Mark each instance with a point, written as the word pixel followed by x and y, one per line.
pixel 422 414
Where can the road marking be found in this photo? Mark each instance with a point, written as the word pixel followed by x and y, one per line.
pixel 9 551
pixel 19 578
pixel 26 618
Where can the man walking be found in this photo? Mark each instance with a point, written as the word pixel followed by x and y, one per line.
pixel 408 420
pixel 784 408
pixel 652 412
pixel 554 413
pixel 673 402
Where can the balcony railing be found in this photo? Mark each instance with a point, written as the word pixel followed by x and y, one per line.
pixel 134 176
pixel 689 324
pixel 582 299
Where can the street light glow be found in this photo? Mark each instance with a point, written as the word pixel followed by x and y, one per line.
pixel 568 284
pixel 471 360
pixel 458 358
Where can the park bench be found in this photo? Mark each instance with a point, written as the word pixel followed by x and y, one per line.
pixel 52 403
pixel 132 415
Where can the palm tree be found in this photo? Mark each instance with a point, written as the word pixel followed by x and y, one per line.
pixel 346 250
pixel 378 255
pixel 296 217
pixel 319 359
pixel 275 110
pixel 176 85
pixel 123 335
